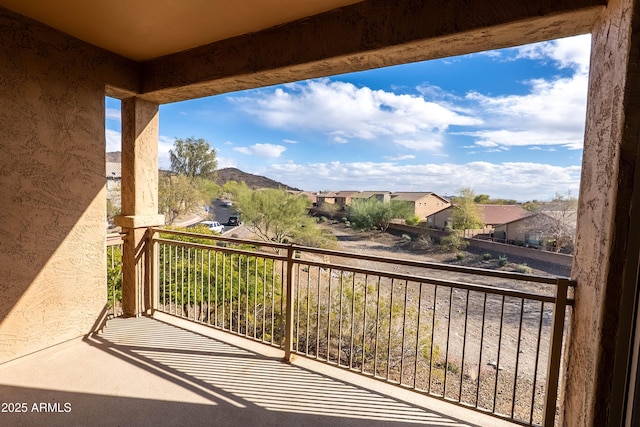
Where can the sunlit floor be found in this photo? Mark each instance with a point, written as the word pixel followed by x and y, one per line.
pixel 143 371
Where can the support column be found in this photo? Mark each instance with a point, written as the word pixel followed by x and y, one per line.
pixel 603 253
pixel 139 200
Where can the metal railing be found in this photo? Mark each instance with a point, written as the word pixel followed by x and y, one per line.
pixel 234 285
pixel 486 339
pixel 114 274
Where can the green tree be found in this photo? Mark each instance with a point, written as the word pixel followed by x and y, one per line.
pixel 177 195
pixel 276 215
pixel 532 205
pixel 212 286
pixel 193 158
pixel 366 214
pixel 113 210
pixel 466 215
pixel 482 198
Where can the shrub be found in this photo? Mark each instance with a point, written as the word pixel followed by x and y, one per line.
pixel 523 268
pixel 459 256
pixel 413 220
pixel 487 256
pixel 502 260
pixel 453 242
pixel 406 237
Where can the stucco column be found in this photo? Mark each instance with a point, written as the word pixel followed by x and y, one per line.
pixel 603 260
pixel 139 199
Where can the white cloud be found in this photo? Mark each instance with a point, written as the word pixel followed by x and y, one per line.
pixel 569 52
pixel 344 111
pixel 552 113
pixel 165 144
pixel 113 114
pixel 225 162
pixel 263 150
pixel 400 157
pixel 433 145
pixel 290 141
pixel 518 180
pixel 339 139
pixel 113 140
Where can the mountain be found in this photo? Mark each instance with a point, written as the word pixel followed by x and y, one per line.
pixel 114 157
pixel 253 181
pixel 227 174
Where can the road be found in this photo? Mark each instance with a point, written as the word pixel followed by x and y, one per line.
pixel 221 213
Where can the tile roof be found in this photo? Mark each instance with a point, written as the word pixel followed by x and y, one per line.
pixel 501 214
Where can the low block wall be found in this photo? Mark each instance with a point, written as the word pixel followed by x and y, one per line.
pixel 539 255
pixel 495 247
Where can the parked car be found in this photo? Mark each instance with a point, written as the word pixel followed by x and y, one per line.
pixel 213 226
pixel 234 220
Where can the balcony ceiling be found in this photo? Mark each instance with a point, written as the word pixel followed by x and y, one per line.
pixel 147 29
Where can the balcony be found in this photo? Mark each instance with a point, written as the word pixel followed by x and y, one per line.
pixel 164 371
pixel 488 342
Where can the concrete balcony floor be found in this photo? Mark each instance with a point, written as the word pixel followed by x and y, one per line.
pixel 168 371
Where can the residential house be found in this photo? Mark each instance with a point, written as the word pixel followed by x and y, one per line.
pixel 343 198
pixel 383 196
pixel 490 215
pixel 535 229
pixel 522 230
pixel 422 204
pixel 61 59
pixel 326 198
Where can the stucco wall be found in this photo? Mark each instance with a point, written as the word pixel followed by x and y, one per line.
pixel 429 205
pixel 52 186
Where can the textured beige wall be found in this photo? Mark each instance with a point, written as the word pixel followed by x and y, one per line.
pixel 429 205
pixel 52 185
pixel 610 151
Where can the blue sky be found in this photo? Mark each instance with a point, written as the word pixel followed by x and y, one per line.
pixel 508 123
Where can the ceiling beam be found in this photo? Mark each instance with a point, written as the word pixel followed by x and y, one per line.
pixel 366 35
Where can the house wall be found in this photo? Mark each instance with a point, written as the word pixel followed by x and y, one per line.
pixel 515 230
pixel 428 205
pixel 52 184
pixel 439 219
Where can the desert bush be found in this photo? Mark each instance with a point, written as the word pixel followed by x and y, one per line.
pixel 349 326
pixel 459 256
pixel 487 256
pixel 453 242
pixel 412 220
pixel 523 268
pixel 502 260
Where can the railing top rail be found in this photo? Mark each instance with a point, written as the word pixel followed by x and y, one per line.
pixel 438 266
pixel 114 239
pixel 550 280
pixel 226 249
pixel 222 238
pixel 438 282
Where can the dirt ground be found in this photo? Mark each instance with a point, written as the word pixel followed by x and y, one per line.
pixel 390 245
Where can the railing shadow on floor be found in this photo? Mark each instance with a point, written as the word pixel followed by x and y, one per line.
pixel 241 381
